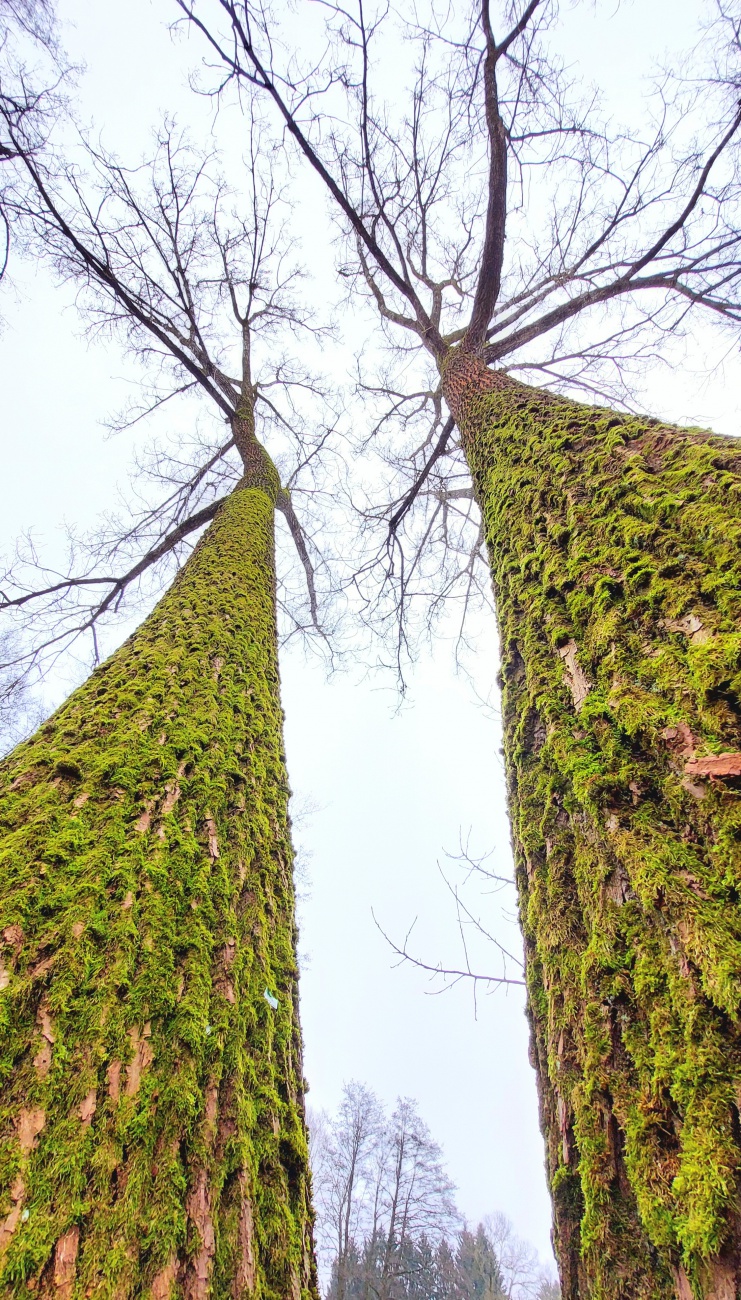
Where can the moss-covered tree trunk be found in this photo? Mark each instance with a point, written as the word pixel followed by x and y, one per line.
pixel 616 559
pixel 152 1138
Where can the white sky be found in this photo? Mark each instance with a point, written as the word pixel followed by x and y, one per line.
pixel 392 788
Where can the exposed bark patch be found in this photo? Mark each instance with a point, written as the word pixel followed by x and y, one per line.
pixel 690 626
pixel 213 842
pixel 25 779
pixel 227 1125
pixel 42 1059
pixel 144 821
pixel 223 981
pixel 513 666
pixel 212 1106
pixel 697 791
pixel 88 1107
pixel 4 975
pixel 28 1126
pixel 13 936
pixel 715 765
pixel 65 1263
pixel 12 1219
pixel 244 1281
pixel 680 739
pixel 565 1129
pixel 196 1282
pixel 617 887
pixel 142 1057
pixel 163 1282
pixel 172 794
pixel 114 1080
pixel 41 967
pixel 576 679
pixel 692 883
pixel 722 1281
pixel 682 1282
pixel 30 1123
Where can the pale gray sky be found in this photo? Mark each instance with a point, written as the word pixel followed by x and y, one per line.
pixel 392 788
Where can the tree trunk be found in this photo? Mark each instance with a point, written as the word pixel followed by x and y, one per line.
pixel 614 546
pixel 152 1138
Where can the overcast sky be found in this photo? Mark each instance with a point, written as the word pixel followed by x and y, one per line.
pixel 391 788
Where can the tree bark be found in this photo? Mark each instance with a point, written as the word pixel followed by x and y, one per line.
pixel 152 1137
pixel 615 557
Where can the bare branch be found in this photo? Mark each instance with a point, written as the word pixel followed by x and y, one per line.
pixel 451 975
pixel 285 505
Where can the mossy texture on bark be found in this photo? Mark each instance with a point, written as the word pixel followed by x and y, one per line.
pixel 615 552
pixel 152 1137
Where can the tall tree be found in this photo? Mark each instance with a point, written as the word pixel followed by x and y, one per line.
pixel 613 547
pixel 152 1137
pixel 152 1089
pixel 201 284
pixel 412 1197
pixel 343 1160
pixel 384 1200
pixel 478 1266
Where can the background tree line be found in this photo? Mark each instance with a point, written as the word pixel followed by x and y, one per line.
pixel 388 1227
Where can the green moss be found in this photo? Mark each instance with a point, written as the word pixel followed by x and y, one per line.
pixel 615 547
pixel 146 903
